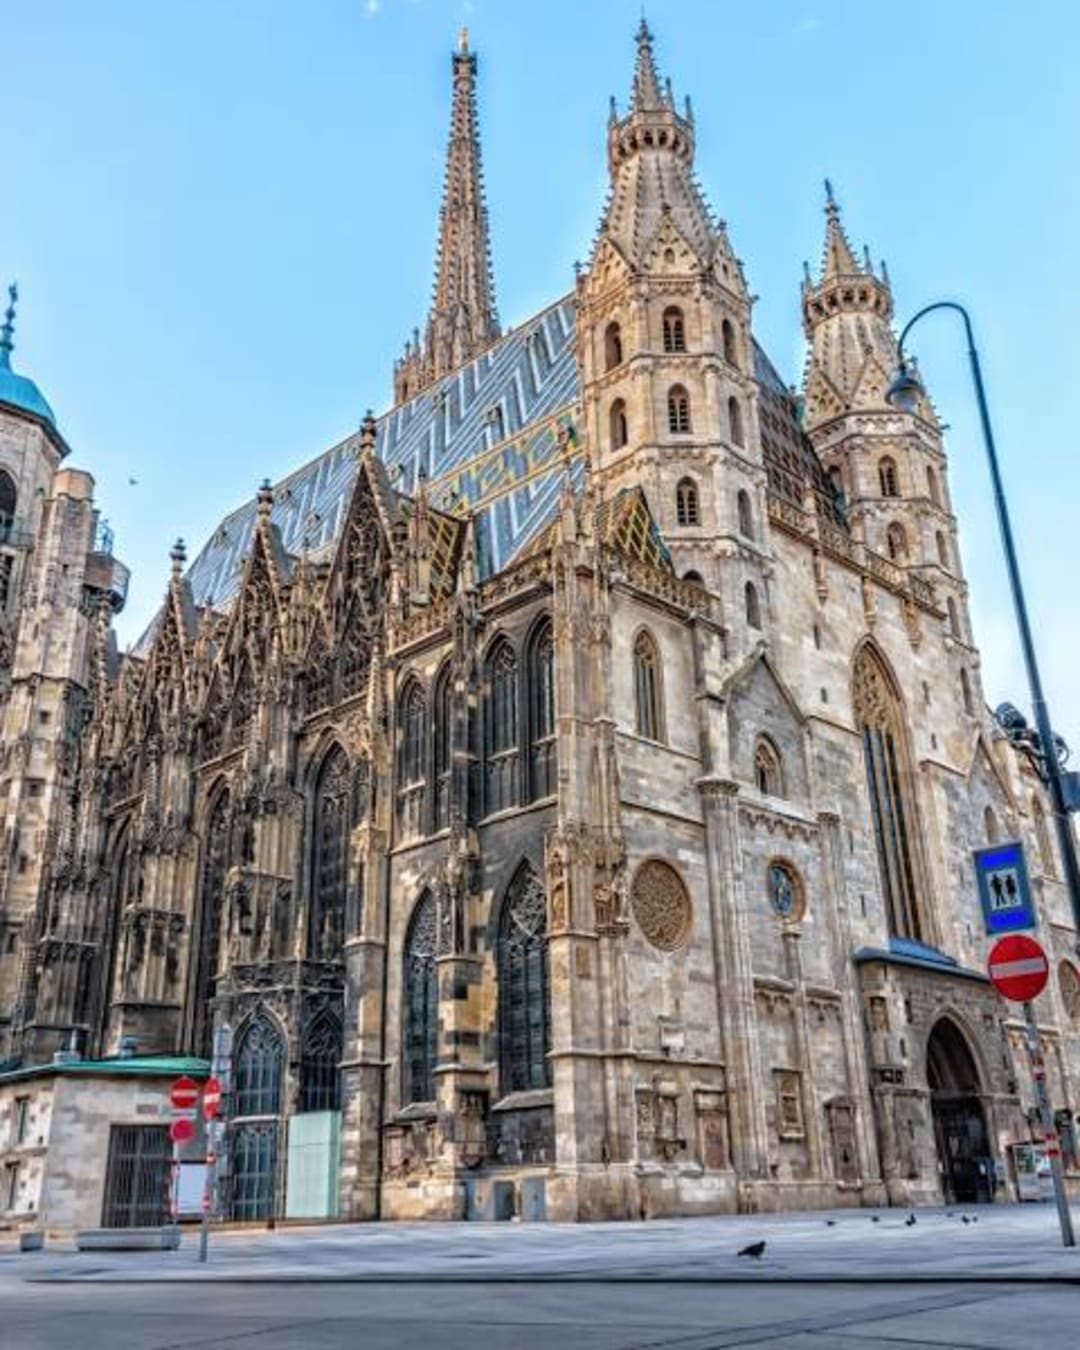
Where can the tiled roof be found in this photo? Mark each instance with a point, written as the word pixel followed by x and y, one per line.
pixel 522 379
pixel 444 435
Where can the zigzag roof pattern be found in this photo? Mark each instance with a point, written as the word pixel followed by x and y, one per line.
pixel 447 434
pixel 519 382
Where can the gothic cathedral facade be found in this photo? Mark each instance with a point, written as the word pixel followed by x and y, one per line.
pixel 567 784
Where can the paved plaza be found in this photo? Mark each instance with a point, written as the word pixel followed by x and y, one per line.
pixel 824 1280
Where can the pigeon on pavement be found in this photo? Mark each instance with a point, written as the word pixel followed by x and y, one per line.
pixel 910 1221
pixel 755 1249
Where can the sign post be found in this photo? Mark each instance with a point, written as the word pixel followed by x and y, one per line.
pixel 1019 971
pixel 213 1095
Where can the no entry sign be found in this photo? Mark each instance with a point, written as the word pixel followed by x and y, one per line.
pixel 211 1099
pixel 184 1094
pixel 1018 968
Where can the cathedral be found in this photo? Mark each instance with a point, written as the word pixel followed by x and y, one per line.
pixel 557 799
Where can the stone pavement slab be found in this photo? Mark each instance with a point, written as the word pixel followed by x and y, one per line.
pixel 999 1243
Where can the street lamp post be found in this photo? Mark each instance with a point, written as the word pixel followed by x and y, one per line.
pixel 904 393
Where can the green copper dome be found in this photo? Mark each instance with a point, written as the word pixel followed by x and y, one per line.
pixel 17 389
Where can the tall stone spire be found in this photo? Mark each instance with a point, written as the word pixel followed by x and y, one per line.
pixel 463 319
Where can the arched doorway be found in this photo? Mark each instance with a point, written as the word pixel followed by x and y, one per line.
pixel 963 1148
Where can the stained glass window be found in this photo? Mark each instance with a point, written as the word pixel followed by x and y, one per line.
pixel 329 882
pixel 421 1003
pixel 524 996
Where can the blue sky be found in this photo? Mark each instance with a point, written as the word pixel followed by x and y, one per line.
pixel 222 217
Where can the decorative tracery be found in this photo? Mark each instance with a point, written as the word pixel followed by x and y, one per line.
pixel 421 1003
pixel 217 858
pixel 524 992
pixel 329 881
pixel 879 715
pixel 501 728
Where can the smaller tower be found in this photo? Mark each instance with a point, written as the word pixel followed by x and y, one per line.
pixel 890 465
pixel 463 319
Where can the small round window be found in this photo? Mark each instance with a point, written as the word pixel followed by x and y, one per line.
pixel 785 890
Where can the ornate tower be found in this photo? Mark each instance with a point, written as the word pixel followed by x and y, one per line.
pixel 666 355
pixel 463 319
pixel 890 465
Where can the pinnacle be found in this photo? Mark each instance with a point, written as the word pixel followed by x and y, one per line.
pixel 838 258
pixel 647 95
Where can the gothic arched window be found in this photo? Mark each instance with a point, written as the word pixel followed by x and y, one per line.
pixel 1042 839
pixel 727 333
pixel 746 514
pixel 879 715
pixel 735 422
pixel 942 550
pixel 524 997
pixel 412 753
pixel 888 477
pixel 442 744
pixel 753 605
pixel 991 833
pixel 674 330
pixel 329 873
pixel 896 542
pixel 541 678
pixel 8 501
pixel 259 1060
pixel 687 511
pixel 320 1060
pixel 954 619
pixel 933 486
pixel 648 693
pixel 501 728
pixel 612 346
pixel 421 1004
pixel 617 425
pixel 768 768
pixel 217 859
pixel 678 410
pixel 965 693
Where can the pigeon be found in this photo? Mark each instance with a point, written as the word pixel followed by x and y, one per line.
pixel 910 1221
pixel 830 1223
pixel 964 1218
pixel 755 1249
pixel 974 1218
pixel 874 1218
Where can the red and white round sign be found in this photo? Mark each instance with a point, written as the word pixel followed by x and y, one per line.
pixel 184 1094
pixel 211 1099
pixel 1018 968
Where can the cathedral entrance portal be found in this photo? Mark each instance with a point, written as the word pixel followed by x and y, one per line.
pixel 963 1149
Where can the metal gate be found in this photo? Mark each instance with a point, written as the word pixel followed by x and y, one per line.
pixel 967 1167
pixel 254 1178
pixel 137 1177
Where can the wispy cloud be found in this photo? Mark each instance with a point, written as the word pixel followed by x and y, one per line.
pixel 371 8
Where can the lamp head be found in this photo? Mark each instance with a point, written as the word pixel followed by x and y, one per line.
pixel 906 389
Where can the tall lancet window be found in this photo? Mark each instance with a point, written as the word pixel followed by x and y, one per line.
pixel 442 746
pixel 421 1012
pixel 541 680
pixel 329 880
pixel 524 997
pixel 501 728
pixel 880 717
pixel 648 691
pixel 217 859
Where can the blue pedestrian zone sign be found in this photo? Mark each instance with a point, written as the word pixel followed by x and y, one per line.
pixel 1004 888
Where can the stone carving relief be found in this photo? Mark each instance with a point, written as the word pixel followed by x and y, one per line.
pixel 661 905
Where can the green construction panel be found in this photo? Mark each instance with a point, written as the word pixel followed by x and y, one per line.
pixel 311 1190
